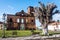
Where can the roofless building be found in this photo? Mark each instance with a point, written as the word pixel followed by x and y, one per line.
pixel 21 20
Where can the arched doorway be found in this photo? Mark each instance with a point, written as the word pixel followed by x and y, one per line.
pixel 22 25
pixel 10 24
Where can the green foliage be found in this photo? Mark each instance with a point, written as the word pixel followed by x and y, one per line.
pixel 22 33
pixel 16 33
pixel 1 33
pixel 8 33
pixel 54 32
pixel 38 31
pixel 50 33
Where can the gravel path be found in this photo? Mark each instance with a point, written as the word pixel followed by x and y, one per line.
pixel 34 37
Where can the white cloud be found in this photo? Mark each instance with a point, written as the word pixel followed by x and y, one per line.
pixel 7 10
pixel 1 18
pixel 10 7
pixel 56 17
pixel 9 13
pixel 1 14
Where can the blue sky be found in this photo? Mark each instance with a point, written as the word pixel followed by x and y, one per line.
pixel 13 6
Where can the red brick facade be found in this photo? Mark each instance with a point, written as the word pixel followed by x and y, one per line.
pixel 21 20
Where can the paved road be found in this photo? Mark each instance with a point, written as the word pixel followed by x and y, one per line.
pixel 34 37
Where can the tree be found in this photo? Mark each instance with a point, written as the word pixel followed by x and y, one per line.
pixel 45 13
pixel 58 21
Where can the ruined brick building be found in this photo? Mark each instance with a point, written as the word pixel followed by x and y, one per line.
pixel 21 20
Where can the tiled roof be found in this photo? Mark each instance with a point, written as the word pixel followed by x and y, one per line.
pixel 1 22
pixel 54 23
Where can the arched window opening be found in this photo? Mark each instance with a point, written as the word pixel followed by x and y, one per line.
pixel 32 21
pixel 22 20
pixel 11 20
pixel 18 20
pixel 32 14
pixel 22 27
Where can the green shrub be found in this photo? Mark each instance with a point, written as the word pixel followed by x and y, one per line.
pixel 17 33
pixel 24 33
pixel 1 33
pixel 8 33
pixel 21 33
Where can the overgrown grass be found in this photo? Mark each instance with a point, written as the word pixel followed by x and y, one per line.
pixel 22 33
pixel 38 31
pixel 54 32
pixel 8 33
pixel 50 33
pixel 1 33
pixel 16 33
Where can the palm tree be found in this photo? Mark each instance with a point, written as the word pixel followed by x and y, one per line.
pixel 45 13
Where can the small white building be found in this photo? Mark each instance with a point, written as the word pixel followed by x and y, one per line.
pixel 1 25
pixel 54 26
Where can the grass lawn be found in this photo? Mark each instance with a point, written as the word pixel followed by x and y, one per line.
pixel 54 32
pixel 1 33
pixel 16 33
pixel 22 33
pixel 51 33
